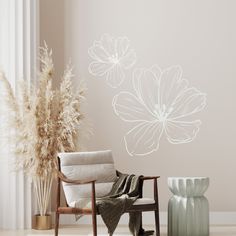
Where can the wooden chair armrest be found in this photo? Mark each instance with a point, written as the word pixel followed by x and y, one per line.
pixel 149 177
pixel 155 189
pixel 142 177
pixel 63 178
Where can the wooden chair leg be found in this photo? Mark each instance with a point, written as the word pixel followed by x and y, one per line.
pixel 57 224
pixel 141 230
pixel 157 223
pixel 94 210
pixel 94 220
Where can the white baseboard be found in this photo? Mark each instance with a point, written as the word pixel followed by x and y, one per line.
pixel 216 218
pixel 223 218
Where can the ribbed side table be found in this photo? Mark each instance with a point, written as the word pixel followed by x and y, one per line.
pixel 188 209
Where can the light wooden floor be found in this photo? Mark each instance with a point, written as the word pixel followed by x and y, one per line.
pixel 120 231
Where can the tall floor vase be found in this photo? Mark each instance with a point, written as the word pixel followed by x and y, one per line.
pixel 42 187
pixel 188 209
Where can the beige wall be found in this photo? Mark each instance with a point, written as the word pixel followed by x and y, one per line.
pixel 198 35
pixel 52 32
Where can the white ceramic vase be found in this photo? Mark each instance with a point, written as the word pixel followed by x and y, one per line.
pixel 188 209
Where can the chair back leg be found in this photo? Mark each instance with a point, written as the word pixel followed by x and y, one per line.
pixel 157 223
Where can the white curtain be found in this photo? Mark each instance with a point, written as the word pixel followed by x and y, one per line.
pixel 18 44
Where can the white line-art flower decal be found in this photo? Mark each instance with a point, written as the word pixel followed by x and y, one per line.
pixel 163 105
pixel 112 56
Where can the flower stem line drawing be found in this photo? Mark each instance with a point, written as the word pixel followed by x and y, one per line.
pixel 163 105
pixel 112 56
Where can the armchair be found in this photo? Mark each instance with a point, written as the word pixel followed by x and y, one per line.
pixel 85 175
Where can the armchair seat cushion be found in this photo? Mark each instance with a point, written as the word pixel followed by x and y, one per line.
pixel 86 203
pixel 75 192
pixel 143 201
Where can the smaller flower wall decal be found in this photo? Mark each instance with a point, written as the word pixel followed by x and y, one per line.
pixel 112 56
pixel 163 104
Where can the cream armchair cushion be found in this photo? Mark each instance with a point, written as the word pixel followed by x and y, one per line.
pixel 85 166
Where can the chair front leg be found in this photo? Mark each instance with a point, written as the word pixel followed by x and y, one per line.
pixel 94 211
pixel 58 199
pixel 157 220
pixel 57 223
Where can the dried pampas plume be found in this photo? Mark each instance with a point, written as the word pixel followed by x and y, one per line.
pixel 45 122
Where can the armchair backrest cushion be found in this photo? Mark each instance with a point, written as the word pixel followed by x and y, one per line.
pixel 86 166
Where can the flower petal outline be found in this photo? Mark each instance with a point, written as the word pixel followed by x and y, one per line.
pixel 99 68
pixel 147 88
pixel 128 60
pixel 128 107
pixel 115 76
pixel 98 53
pixel 171 84
pixel 189 102
pixel 108 43
pixel 147 133
pixel 122 46
pixel 189 130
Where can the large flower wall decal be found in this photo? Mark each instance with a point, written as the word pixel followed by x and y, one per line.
pixel 112 56
pixel 163 105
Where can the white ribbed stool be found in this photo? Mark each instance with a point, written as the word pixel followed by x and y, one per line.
pixel 188 209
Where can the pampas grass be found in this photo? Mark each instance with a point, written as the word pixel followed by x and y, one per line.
pixel 45 122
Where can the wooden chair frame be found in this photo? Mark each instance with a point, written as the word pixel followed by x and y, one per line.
pixel 93 211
